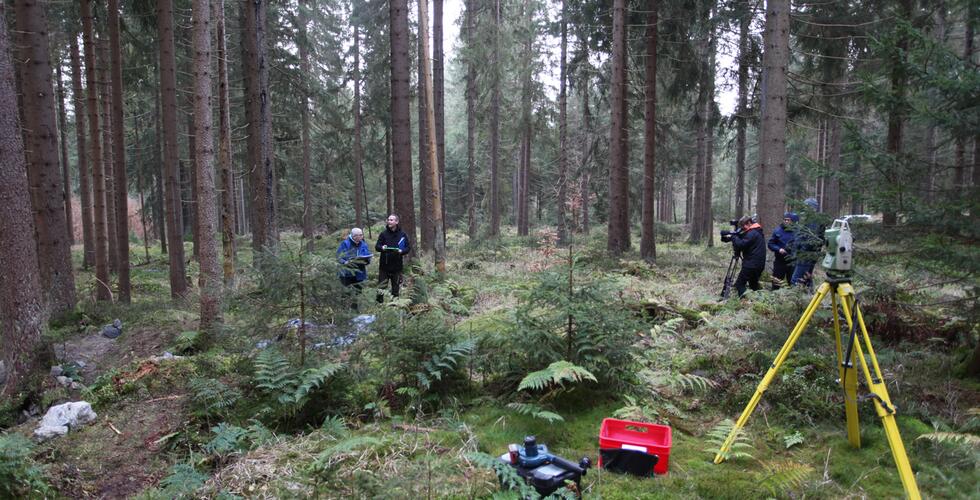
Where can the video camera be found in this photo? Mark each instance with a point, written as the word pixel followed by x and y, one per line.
pixel 726 235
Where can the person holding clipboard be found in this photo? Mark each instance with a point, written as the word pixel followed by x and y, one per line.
pixel 393 245
pixel 354 255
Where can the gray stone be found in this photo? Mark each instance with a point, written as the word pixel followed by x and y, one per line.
pixel 63 381
pixel 62 418
pixel 57 371
pixel 75 386
pixel 80 363
pixel 112 331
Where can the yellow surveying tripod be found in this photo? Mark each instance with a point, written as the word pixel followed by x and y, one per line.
pixel 838 286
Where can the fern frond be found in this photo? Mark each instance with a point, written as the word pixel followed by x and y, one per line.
pixel 952 437
pixel 212 396
pixel 793 439
pixel 331 455
pixel 536 411
pixel 505 473
pixel 556 373
pixel 679 381
pixel 272 371
pixel 311 378
pixel 443 363
pixel 782 477
pixel 227 439
pixel 716 438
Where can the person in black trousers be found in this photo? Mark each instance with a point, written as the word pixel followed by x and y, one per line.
pixel 393 246
pixel 751 243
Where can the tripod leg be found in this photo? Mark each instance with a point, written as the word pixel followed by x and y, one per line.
pixel 883 404
pixel 764 384
pixel 848 378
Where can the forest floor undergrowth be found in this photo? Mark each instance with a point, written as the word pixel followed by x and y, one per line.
pixel 415 404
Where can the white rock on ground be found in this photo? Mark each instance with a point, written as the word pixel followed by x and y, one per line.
pixel 60 419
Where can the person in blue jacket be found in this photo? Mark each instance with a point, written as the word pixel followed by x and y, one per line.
pixel 750 242
pixel 781 245
pixel 807 244
pixel 354 255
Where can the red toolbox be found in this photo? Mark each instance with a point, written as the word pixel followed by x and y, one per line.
pixel 653 439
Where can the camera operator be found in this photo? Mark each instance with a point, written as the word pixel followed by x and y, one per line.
pixel 751 244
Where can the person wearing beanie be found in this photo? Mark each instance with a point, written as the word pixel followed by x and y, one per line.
pixel 807 244
pixel 781 245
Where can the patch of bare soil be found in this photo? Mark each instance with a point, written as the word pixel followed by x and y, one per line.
pixel 119 455
pixel 100 354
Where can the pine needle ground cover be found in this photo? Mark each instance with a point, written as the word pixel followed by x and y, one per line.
pixel 518 338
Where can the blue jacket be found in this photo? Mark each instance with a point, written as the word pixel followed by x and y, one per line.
pixel 349 250
pixel 783 238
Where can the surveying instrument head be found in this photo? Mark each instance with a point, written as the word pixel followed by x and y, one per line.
pixel 855 355
pixel 838 260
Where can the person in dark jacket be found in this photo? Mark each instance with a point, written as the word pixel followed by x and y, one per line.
pixel 781 245
pixel 393 246
pixel 750 242
pixel 354 255
pixel 807 245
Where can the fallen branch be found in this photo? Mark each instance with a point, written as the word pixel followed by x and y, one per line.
pixel 112 427
pixel 165 398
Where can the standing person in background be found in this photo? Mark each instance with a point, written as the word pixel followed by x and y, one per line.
pixel 354 255
pixel 807 244
pixel 393 245
pixel 781 244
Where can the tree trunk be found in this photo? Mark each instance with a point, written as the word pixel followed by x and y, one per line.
pixel 741 113
pixel 168 93
pixel 265 231
pixel 65 167
pixel 648 239
pixel 472 226
pixel 190 174
pixel 524 165
pixel 389 181
pixel 831 205
pixel 224 150
pixel 401 127
pixel 207 201
pixel 562 200
pixel 119 154
pixel 586 170
pixel 435 204
pixel 707 217
pixel 304 64
pixel 102 290
pixel 438 89
pixel 84 178
pixel 359 197
pixel 772 143
pixel 158 174
pixel 701 122
pixel 618 238
pixel 897 112
pixel 47 190
pixel 105 118
pixel 427 232
pixel 21 314
pixel 494 231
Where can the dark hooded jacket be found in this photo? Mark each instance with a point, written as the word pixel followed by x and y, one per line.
pixel 752 245
pixel 783 237
pixel 392 245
